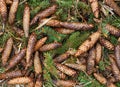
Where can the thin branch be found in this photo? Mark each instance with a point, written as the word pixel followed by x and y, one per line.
pixel 22 2
pixel 42 24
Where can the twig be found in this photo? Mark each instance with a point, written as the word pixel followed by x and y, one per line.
pixel 3 27
pixel 22 2
pixel 19 47
pixel 1 81
pixel 109 9
pixel 18 21
pixel 87 75
pixel 42 24
pixel 14 36
pixel 76 6
pixel 87 83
